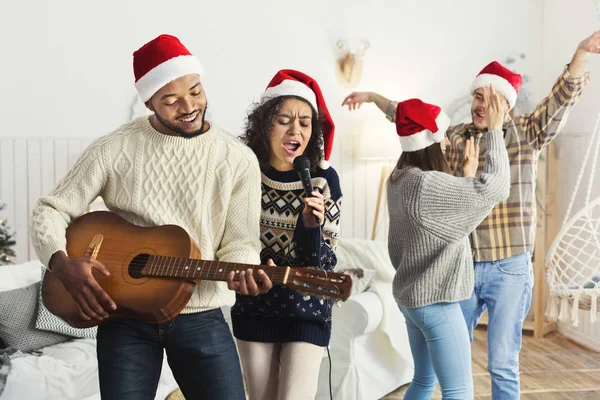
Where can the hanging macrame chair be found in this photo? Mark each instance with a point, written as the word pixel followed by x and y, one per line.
pixel 573 260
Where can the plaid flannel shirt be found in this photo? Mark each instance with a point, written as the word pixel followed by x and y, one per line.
pixel 509 229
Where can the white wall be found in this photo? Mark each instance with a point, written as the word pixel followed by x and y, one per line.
pixel 565 24
pixel 69 70
pixel 71 74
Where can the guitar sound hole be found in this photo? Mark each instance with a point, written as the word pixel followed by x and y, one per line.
pixel 137 264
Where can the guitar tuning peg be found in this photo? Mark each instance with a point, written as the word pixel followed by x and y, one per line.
pixel 321 301
pixel 338 303
pixel 306 297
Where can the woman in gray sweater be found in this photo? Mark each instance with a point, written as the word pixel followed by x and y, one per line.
pixel 432 214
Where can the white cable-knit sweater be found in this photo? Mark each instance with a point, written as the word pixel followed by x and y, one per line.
pixel 209 185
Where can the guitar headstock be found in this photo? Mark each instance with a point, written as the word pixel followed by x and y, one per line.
pixel 326 284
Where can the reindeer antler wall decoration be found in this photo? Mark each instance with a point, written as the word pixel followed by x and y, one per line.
pixel 350 62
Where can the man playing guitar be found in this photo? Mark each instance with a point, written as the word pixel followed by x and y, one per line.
pixel 170 168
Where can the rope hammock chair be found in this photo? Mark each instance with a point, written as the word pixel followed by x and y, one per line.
pixel 573 260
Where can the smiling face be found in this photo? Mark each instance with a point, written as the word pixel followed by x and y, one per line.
pixel 179 107
pixel 478 109
pixel 290 133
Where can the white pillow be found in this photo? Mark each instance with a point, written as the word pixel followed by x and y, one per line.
pixel 19 275
pixel 23 275
pixel 18 309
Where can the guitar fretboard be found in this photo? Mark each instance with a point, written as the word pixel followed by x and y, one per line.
pixel 208 270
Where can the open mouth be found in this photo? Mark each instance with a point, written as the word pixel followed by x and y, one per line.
pixel 291 146
pixel 190 119
pixel 480 114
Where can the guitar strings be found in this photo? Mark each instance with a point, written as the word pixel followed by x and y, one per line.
pixel 278 272
pixel 137 248
pixel 116 256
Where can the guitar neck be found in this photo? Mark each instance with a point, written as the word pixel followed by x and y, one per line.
pixel 206 270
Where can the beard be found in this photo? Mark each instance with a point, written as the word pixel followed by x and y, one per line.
pixel 180 132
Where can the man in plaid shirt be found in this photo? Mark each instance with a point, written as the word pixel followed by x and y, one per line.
pixel 503 243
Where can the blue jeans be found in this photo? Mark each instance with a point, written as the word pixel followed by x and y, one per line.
pixel 503 288
pixel 440 347
pixel 200 351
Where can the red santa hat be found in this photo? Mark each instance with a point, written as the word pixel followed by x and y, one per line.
pixel 160 61
pixel 419 125
pixel 502 79
pixel 288 82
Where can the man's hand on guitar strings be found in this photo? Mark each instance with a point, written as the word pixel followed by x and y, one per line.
pixel 245 284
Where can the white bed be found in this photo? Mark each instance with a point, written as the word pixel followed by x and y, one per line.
pixel 63 371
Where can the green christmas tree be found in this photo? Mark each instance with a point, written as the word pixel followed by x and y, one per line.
pixel 6 241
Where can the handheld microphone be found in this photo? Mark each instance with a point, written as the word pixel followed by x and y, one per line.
pixel 302 168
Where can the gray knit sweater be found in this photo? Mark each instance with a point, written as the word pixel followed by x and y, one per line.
pixel 431 216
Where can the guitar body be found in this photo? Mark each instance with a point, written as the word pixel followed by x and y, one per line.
pixel 152 299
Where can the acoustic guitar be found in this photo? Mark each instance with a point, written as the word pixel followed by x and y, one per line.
pixel 153 270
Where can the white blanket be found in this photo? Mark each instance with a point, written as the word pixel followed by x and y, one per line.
pixel 368 254
pixel 65 371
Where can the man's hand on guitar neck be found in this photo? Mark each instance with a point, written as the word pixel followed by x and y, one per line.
pixel 246 284
pixel 76 276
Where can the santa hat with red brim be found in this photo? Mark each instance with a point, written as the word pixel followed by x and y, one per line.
pixel 502 79
pixel 161 61
pixel 419 124
pixel 289 82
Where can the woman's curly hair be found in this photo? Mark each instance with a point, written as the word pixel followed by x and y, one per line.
pixel 258 130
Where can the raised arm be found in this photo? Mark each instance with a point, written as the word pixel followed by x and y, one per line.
pixel 355 99
pixel 452 207
pixel 550 115
pixel 579 63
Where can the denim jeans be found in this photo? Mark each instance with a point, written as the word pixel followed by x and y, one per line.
pixel 440 347
pixel 503 288
pixel 200 351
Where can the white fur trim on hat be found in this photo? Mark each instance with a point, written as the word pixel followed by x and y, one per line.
pixel 166 72
pixel 499 84
pixel 290 87
pixel 324 164
pixel 426 138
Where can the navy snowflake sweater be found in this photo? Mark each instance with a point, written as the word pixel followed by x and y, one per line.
pixel 283 314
